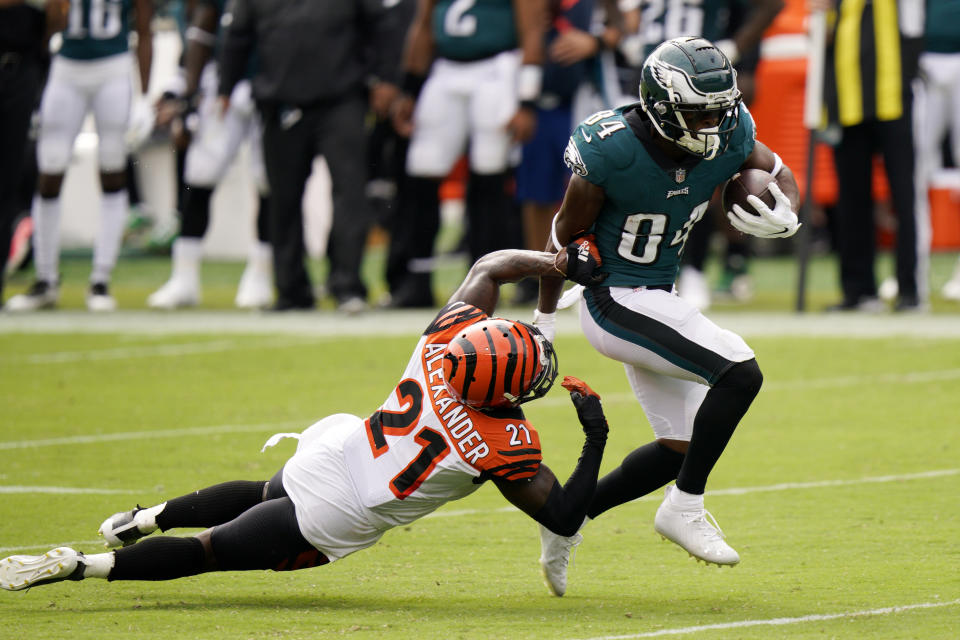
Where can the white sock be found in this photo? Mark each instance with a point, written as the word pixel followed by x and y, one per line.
pixel 113 217
pixel 46 238
pixel 187 256
pixel 686 501
pixel 261 254
pixel 99 565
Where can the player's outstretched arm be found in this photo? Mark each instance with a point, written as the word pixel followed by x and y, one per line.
pixel 481 287
pixel 562 509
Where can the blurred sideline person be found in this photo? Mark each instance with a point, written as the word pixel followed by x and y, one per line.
pixel 313 95
pixel 24 33
pixel 91 73
pixel 386 161
pixel 214 145
pixel 541 175
pixel 643 176
pixel 471 77
pixel 615 25
pixel 940 67
pixel 453 422
pixel 872 66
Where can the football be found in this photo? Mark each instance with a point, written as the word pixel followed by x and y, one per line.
pixel 749 182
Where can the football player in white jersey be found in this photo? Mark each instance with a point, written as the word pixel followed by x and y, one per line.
pixel 91 73
pixel 471 77
pixel 216 141
pixel 453 422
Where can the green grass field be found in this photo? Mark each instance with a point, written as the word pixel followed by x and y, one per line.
pixel 840 489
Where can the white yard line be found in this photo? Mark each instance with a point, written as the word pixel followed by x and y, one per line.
pixel 907 377
pixel 62 490
pixel 52 545
pixel 740 491
pixel 779 622
pixel 411 323
pixel 155 351
pixel 735 491
pixel 267 428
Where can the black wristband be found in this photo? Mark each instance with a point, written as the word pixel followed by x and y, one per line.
pixel 601 44
pixel 528 104
pixel 412 84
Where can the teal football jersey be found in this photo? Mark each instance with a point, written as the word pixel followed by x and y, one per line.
pixel 651 202
pixel 96 29
pixel 473 29
pixel 664 20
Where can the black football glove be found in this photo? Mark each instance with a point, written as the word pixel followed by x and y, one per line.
pixel 583 260
pixel 589 409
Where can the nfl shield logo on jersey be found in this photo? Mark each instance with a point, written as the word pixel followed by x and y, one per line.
pixel 680 175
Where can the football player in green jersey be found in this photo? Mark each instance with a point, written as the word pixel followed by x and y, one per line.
pixel 643 175
pixel 472 73
pixel 92 73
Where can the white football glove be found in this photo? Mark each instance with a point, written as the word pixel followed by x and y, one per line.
pixel 143 115
pixel 779 222
pixel 546 323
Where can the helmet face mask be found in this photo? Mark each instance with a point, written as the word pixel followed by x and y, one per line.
pixel 688 90
pixel 499 363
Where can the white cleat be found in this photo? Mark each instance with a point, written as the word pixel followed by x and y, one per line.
pixel 176 293
pixel 40 295
pixel 256 288
pixel 888 289
pixel 99 299
pixel 692 286
pixel 555 554
pixel 951 290
pixel 21 572
pixel 696 531
pixel 124 528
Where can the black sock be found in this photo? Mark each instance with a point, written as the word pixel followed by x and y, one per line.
pixel 263 227
pixel 161 558
pixel 211 506
pixel 643 470
pixel 489 213
pixel 195 217
pixel 718 416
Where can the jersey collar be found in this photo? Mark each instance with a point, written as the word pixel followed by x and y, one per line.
pixel 673 168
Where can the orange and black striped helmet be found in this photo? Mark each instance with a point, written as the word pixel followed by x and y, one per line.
pixel 499 363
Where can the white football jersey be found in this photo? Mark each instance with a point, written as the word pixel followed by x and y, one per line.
pixel 423 448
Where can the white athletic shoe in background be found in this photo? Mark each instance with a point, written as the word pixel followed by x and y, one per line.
pixel 888 289
pixel 692 286
pixel 256 284
pixel 555 553
pixel 99 299
pixel 951 290
pixel 183 287
pixel 40 295
pixel 691 529
pixel 174 294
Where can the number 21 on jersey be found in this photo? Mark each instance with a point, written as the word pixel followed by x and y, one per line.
pixel 401 423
